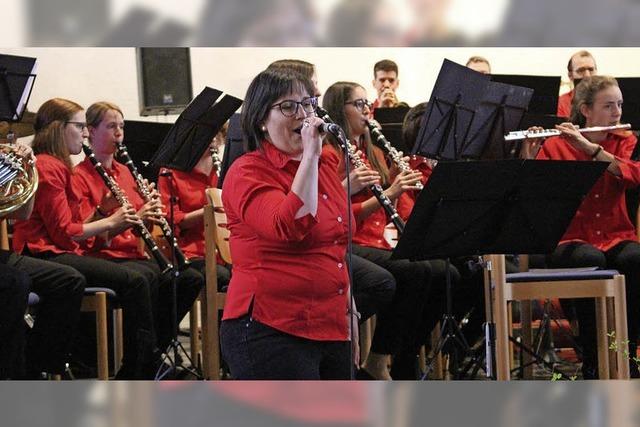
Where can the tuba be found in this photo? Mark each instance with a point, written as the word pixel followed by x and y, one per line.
pixel 18 180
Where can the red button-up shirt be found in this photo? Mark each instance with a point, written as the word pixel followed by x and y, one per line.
pixel 56 214
pixel 293 270
pixel 92 189
pixel 564 104
pixel 602 218
pixel 189 188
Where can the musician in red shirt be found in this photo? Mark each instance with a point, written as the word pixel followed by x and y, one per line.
pixel 56 228
pixel 601 233
pixel 581 64
pixel 189 188
pixel 287 314
pixel 347 105
pixel 106 132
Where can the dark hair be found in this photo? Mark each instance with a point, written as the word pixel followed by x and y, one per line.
pixel 49 124
pixel 411 124
pixel 581 54
pixel 299 66
pixel 265 89
pixel 333 101
pixel 585 94
pixel 385 65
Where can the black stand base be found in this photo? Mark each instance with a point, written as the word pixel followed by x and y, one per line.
pixel 173 364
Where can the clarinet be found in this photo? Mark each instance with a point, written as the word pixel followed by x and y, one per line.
pixel 376 189
pixel 395 155
pixel 215 158
pixel 181 258
pixel 122 199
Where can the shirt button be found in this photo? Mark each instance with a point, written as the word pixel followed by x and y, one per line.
pixel 339 219
pixel 324 196
pixel 597 215
pixel 339 265
pixel 377 223
pixel 379 241
pixel 340 291
pixel 598 232
pixel 597 196
pixel 335 242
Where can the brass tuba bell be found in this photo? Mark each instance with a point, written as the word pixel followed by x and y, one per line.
pixel 18 180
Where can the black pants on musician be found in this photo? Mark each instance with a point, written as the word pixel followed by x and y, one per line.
pixel 14 291
pixel 223 272
pixel 396 325
pixel 134 294
pixel 373 287
pixel 624 257
pixel 60 289
pixel 255 351
pixel 189 282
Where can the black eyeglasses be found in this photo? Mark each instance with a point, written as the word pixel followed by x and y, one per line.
pixel 79 125
pixel 359 103
pixel 289 107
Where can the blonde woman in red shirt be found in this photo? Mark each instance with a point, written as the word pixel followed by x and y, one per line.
pixel 601 233
pixel 287 310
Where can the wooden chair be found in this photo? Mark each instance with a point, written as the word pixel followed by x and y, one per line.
pixel 216 237
pixel 606 286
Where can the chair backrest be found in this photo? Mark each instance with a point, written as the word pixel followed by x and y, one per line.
pixel 220 231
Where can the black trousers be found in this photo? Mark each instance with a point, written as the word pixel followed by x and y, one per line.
pixel 60 288
pixel 624 257
pixel 14 291
pixel 396 325
pixel 134 291
pixel 223 272
pixel 189 282
pixel 255 351
pixel 373 287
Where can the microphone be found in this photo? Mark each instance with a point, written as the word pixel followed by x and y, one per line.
pixel 331 128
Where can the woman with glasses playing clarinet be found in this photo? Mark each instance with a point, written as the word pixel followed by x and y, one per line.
pixel 601 233
pixel 106 132
pixel 287 313
pixel 346 104
pixel 189 188
pixel 57 228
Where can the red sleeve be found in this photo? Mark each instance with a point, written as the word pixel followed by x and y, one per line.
pixel 83 188
pixel 253 193
pixel 629 169
pixel 53 207
pixel 165 193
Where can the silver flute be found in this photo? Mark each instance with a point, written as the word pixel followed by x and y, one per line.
pixel 545 133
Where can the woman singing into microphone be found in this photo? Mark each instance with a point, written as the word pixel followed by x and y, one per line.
pixel 601 233
pixel 287 311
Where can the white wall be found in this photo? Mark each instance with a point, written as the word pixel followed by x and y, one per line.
pixel 86 75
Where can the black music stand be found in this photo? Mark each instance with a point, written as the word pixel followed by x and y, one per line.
pixel 492 207
pixel 545 90
pixel 391 120
pixel 17 75
pixel 500 112
pixel 457 93
pixel 233 149
pixel 181 149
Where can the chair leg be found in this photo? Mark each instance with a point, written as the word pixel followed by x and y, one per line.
pixel 194 340
pixel 622 336
pixel 118 344
pixel 603 345
pixel 101 336
pixel 215 341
